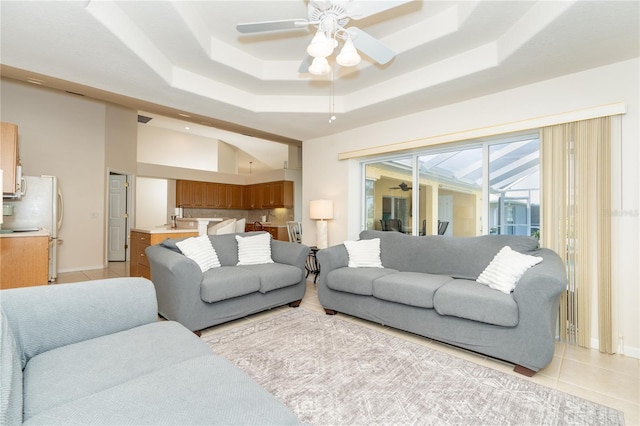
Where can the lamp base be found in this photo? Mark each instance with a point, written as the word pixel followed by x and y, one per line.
pixel 321 234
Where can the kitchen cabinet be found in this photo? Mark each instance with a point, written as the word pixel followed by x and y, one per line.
pixel 9 156
pixel 190 193
pixel 253 197
pixel 143 238
pixel 194 194
pixel 278 232
pixel 25 259
pixel 277 194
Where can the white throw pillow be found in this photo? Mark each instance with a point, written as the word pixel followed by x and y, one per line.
pixel 201 251
pixel 364 253
pixel 254 250
pixel 506 268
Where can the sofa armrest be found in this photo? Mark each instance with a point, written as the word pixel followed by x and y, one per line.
pixel 289 253
pixel 538 297
pixel 331 258
pixel 43 318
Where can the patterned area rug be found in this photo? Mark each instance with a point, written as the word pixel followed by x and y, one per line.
pixel 331 371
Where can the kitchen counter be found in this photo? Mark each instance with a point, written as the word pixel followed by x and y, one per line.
pixel 7 233
pixel 141 238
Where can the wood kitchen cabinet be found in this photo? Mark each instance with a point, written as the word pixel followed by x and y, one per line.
pixel 140 240
pixel 194 194
pixel 277 194
pixel 9 157
pixel 25 260
pixel 190 193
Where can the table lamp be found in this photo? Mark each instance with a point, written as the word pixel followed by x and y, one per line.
pixel 321 210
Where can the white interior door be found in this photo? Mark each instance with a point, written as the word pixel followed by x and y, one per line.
pixel 117 218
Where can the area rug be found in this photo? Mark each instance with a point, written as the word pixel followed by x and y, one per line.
pixel 331 371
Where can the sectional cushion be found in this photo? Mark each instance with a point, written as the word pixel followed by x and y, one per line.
pixel 274 275
pixel 203 390
pixel 472 300
pixel 409 288
pixel 227 282
pixel 128 355
pixel 356 280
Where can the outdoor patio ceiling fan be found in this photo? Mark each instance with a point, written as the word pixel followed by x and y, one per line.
pixel 331 18
pixel 403 186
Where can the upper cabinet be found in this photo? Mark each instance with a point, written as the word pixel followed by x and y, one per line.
pixel 193 194
pixel 277 194
pixel 10 158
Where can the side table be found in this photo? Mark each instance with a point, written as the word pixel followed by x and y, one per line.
pixel 311 265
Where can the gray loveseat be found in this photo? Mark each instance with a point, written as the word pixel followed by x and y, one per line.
pixel 95 353
pixel 428 287
pixel 199 300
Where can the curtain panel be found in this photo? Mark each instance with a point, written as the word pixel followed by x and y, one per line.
pixel 576 223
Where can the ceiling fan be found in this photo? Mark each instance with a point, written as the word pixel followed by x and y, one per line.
pixel 330 17
pixel 403 186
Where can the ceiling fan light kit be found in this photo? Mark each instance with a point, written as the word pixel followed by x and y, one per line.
pixel 330 17
pixel 320 66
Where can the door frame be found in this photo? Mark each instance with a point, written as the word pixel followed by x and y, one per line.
pixel 130 180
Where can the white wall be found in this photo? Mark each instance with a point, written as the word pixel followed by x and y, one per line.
pixel 324 176
pixel 151 202
pixel 64 135
pixel 171 148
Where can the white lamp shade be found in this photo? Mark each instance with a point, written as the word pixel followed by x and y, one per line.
pixel 321 209
pixel 348 56
pixel 320 46
pixel 320 66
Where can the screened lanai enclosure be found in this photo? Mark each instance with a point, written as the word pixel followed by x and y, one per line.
pixel 484 187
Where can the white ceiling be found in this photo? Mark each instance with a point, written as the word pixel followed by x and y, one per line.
pixel 167 57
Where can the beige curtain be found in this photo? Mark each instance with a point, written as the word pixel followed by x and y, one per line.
pixel 576 205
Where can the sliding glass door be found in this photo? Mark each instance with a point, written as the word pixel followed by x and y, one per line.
pixel 470 189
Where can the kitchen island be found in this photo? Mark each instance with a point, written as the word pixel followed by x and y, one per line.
pixel 24 258
pixel 141 238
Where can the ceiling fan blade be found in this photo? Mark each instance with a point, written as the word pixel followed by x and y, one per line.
pixel 286 24
pixel 370 46
pixel 305 64
pixel 362 9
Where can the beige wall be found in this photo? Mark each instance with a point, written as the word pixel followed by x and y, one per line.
pixel 324 176
pixel 64 135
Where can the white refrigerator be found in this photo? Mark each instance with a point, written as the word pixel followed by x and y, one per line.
pixel 40 205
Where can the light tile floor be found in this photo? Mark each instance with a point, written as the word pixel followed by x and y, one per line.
pixel 612 380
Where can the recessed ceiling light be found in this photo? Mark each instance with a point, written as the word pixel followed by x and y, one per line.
pixel 187 128
pixel 184 115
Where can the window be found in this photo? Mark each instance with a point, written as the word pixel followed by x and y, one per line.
pixel 480 187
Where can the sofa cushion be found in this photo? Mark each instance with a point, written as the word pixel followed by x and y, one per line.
pixel 227 282
pixel 11 376
pixel 200 250
pixel 364 253
pixel 459 257
pixel 472 300
pixel 202 390
pixel 77 371
pixel 275 275
pixel 505 270
pixel 409 288
pixel 254 250
pixel 356 280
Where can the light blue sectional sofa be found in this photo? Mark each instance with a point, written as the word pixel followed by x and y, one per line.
pixel 428 286
pixel 95 353
pixel 199 300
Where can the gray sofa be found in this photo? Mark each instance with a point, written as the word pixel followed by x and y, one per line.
pixel 95 353
pixel 199 300
pixel 428 287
